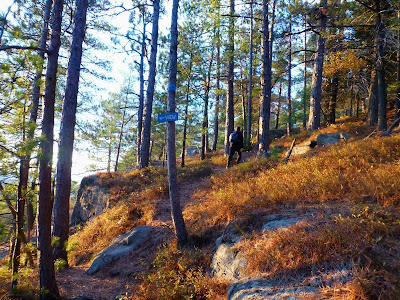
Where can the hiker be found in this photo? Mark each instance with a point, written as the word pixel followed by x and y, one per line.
pixel 236 143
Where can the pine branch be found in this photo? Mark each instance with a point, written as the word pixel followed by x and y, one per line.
pixel 10 47
pixel 9 151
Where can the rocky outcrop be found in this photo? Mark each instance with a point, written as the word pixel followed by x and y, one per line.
pixel 275 223
pixel 229 264
pixel 325 139
pixel 91 200
pixel 121 247
pixel 192 151
pixel 264 289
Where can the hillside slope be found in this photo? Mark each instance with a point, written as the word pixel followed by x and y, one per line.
pixel 336 211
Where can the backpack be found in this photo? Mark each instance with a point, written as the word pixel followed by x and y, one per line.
pixel 234 137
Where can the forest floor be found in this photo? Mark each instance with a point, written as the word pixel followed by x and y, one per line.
pixel 75 282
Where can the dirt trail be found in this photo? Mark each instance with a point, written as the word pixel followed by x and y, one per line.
pixel 74 281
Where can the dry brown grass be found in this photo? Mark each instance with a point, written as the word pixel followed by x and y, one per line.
pixel 135 195
pixel 180 274
pixel 354 172
pixel 27 282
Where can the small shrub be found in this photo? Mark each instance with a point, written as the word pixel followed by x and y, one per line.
pixel 180 274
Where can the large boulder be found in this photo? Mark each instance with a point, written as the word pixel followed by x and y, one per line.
pixel 121 247
pixel 228 264
pixel 262 289
pixel 192 151
pixel 325 139
pixel 91 200
pixel 279 224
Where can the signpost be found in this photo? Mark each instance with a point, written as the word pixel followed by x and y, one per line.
pixel 168 117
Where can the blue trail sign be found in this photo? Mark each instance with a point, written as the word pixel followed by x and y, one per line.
pixel 168 117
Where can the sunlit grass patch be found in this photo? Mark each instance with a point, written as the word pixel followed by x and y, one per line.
pixel 180 274
pixel 133 205
pixel 366 239
pixel 27 282
pixel 366 169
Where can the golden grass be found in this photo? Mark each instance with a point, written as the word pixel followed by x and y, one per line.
pixel 353 172
pixel 135 195
pixel 339 240
pixel 180 274
pixel 27 282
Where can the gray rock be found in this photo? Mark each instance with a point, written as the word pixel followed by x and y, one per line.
pixel 281 224
pixel 227 264
pixel 91 200
pixel 263 289
pixel 192 151
pixel 299 150
pixel 121 247
pixel 325 139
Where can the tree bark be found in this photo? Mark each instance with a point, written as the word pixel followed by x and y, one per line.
pixel 305 75
pixel 397 114
pixel 373 104
pixel 141 92
pixel 229 121
pixel 380 66
pixel 25 160
pixel 179 223
pixel 46 267
pixel 289 102
pixel 67 128
pixel 314 120
pixel 204 131
pixel 218 81
pixel 36 98
pixel 249 101
pixel 145 147
pixel 265 103
pixel 278 108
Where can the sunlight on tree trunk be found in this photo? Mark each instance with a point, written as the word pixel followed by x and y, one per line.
pixel 179 223
pixel 46 267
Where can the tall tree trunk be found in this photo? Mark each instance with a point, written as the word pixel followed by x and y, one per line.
pixel 278 108
pixel 373 104
pixel 204 131
pixel 218 80
pixel 229 122
pixel 289 102
pixel 109 156
pixel 333 100
pixel 67 128
pixel 380 66
pixel 397 115
pixel 305 75
pixel 36 98
pixel 46 267
pixel 271 31
pixel 141 92
pixel 179 223
pixel 144 151
pixel 249 101
pixel 265 103
pixel 25 160
pixel 20 218
pixel 314 119
pixel 186 111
